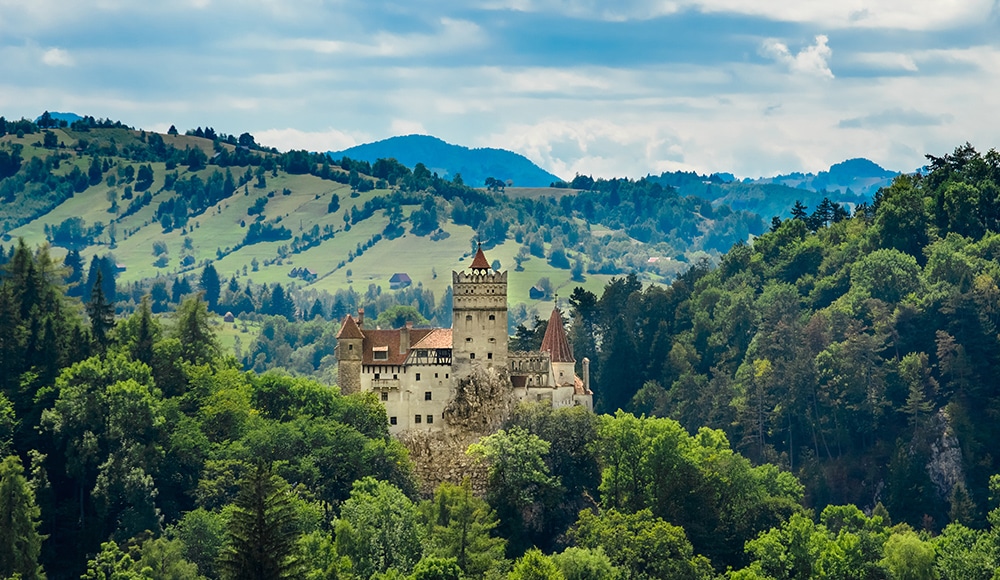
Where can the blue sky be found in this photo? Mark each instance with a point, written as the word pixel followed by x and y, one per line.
pixel 578 86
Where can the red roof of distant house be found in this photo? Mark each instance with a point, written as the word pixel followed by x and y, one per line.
pixel 350 329
pixel 555 342
pixel 479 262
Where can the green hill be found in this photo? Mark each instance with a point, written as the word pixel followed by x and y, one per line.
pixel 160 208
pixel 475 165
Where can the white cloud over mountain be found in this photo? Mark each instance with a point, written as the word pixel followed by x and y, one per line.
pixel 576 85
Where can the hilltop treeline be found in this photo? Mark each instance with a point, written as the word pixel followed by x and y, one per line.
pixel 858 353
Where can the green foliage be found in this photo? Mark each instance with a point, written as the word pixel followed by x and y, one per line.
pixel 585 564
pixel 907 557
pixel 458 525
pixel 640 544
pixel 518 478
pixel 20 542
pixel 535 565
pixel 263 530
pixel 377 529
pixel 436 568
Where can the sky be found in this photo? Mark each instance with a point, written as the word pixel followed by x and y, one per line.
pixel 624 88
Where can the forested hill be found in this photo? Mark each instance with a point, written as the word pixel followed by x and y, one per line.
pixel 860 354
pixel 474 165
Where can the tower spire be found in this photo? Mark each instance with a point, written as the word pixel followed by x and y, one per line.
pixel 480 264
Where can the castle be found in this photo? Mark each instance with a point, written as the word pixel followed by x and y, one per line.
pixel 416 372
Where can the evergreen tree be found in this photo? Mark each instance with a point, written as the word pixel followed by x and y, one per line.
pixel 198 342
pixel 212 286
pixel 262 530
pixel 101 312
pixel 20 542
pixel 799 211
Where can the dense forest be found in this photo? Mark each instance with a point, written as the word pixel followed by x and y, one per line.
pixel 818 404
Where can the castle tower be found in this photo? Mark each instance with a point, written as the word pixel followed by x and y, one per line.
pixel 479 317
pixel 560 353
pixel 349 356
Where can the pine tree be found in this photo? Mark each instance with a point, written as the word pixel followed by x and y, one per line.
pixel 262 530
pixel 212 286
pixel 198 343
pixel 799 211
pixel 101 312
pixel 20 542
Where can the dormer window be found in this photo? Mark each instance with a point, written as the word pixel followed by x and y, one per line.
pixel 380 353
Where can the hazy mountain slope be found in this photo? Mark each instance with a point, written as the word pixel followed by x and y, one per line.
pixel 475 165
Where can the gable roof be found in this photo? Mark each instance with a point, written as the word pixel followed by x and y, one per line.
pixel 555 342
pixel 350 329
pixel 400 277
pixel 480 262
pixel 389 341
pixel 436 338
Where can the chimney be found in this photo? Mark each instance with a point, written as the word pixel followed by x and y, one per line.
pixel 404 338
pixel 586 375
pixel 361 316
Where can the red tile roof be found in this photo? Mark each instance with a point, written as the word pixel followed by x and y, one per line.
pixel 349 329
pixel 555 342
pixel 479 262
pixel 389 339
pixel 436 338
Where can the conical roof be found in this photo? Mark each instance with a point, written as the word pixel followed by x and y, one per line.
pixel 480 262
pixel 555 342
pixel 349 329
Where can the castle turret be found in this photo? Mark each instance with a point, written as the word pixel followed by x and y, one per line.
pixel 350 342
pixel 479 317
pixel 560 353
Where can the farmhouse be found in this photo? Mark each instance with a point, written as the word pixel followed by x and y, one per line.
pixel 399 280
pixel 416 372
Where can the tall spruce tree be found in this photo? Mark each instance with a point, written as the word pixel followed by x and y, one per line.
pixel 101 312
pixel 20 542
pixel 262 530
pixel 212 286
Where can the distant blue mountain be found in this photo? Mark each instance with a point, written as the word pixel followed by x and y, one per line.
pixel 858 176
pixel 70 118
pixel 475 165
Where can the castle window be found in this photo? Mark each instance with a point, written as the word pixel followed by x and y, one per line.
pixel 446 375
pixel 376 376
pixel 350 347
pixel 489 355
pixel 493 317
pixel 417 418
pixel 392 420
pixel 468 339
pixel 418 376
pixel 472 355
pixel 395 376
pixel 468 318
pixel 435 375
pixel 427 395
pixel 430 419
pixel 493 340
pixel 385 396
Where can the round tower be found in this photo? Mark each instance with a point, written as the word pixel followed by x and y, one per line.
pixel 479 317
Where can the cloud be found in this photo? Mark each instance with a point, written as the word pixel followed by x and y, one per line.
pixel 811 60
pixel 890 61
pixel 897 116
pixel 451 35
pixel 407 127
pixel 288 139
pixel 881 14
pixel 57 57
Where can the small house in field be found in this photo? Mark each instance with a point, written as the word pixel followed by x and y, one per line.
pixel 399 280
pixel 119 267
pixel 308 274
pixel 229 317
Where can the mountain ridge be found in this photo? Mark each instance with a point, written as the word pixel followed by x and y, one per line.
pixel 447 159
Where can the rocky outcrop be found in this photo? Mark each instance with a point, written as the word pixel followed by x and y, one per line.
pixel 440 456
pixel 945 465
pixel 482 403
